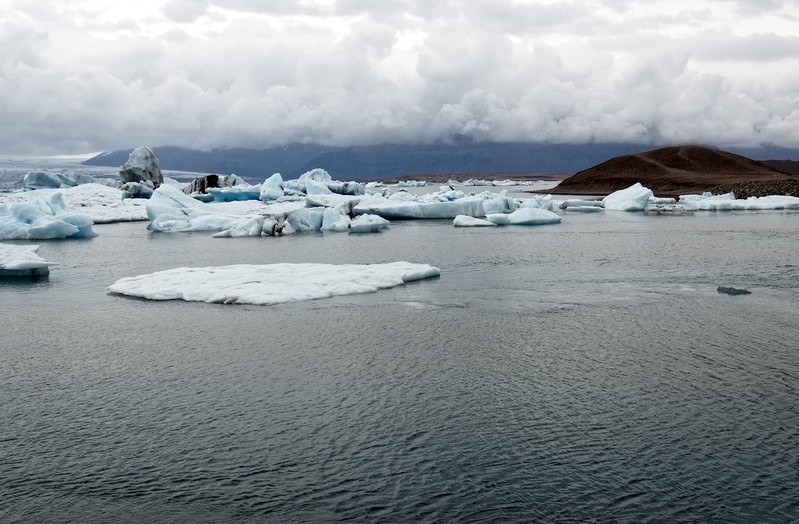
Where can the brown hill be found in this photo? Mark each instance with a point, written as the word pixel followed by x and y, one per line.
pixel 673 171
pixel 786 166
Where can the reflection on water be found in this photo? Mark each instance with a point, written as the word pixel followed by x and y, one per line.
pixel 582 371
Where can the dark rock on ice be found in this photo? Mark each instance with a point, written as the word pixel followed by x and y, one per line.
pixel 733 291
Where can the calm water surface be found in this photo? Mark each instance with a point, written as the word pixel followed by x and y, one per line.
pixel 583 371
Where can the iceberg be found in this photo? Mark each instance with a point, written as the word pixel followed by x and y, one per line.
pixel 467 221
pixel 48 180
pixel 387 208
pixel 313 182
pixel 525 216
pixel 633 198
pixel 272 188
pixel 22 261
pixel 235 193
pixel 101 203
pixel 540 202
pixel 270 284
pixel 141 165
pixel 728 202
pixel 43 218
pixel 575 204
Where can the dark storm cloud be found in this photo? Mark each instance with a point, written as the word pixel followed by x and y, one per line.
pixel 209 73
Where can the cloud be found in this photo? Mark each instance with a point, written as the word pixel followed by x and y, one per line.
pixel 210 73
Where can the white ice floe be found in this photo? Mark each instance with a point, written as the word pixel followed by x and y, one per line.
pixel 728 202
pixel 525 216
pixel 270 284
pixel 575 204
pixel 540 202
pixel 334 219
pixel 101 203
pixel 16 261
pixel 43 218
pixel 446 203
pixel 472 206
pixel 170 209
pixel 633 198
pixel 467 221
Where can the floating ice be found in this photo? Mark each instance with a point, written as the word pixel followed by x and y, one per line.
pixel 272 188
pixel 525 216
pixel 17 261
pixel 99 202
pixel 540 202
pixel 633 198
pixel 313 182
pixel 270 284
pixel 235 193
pixel 728 202
pixel 577 204
pixel 43 218
pixel 170 209
pixel 467 221
pixel 142 165
pixel 472 206
pixel 49 180
pixel 368 224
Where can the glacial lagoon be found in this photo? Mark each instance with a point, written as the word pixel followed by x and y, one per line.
pixel 588 370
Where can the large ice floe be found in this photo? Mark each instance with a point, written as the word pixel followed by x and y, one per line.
pixel 101 203
pixel 22 261
pixel 728 202
pixel 41 219
pixel 640 198
pixel 446 203
pixel 314 182
pixel 270 284
pixel 525 216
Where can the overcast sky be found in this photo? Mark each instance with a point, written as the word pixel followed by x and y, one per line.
pixel 90 75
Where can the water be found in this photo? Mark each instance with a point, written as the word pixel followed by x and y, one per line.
pixel 584 371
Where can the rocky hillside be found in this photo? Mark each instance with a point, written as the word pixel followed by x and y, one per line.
pixel 677 170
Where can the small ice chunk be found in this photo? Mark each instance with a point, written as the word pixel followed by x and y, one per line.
pixel 368 224
pixel 525 216
pixel 20 261
pixel 467 221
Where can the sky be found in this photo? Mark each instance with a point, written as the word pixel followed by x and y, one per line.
pixel 91 75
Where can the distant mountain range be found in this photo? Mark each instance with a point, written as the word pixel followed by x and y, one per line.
pixel 393 161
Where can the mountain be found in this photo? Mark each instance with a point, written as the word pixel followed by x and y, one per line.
pixel 391 161
pixel 673 171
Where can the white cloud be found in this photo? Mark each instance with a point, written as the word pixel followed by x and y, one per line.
pixel 84 76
